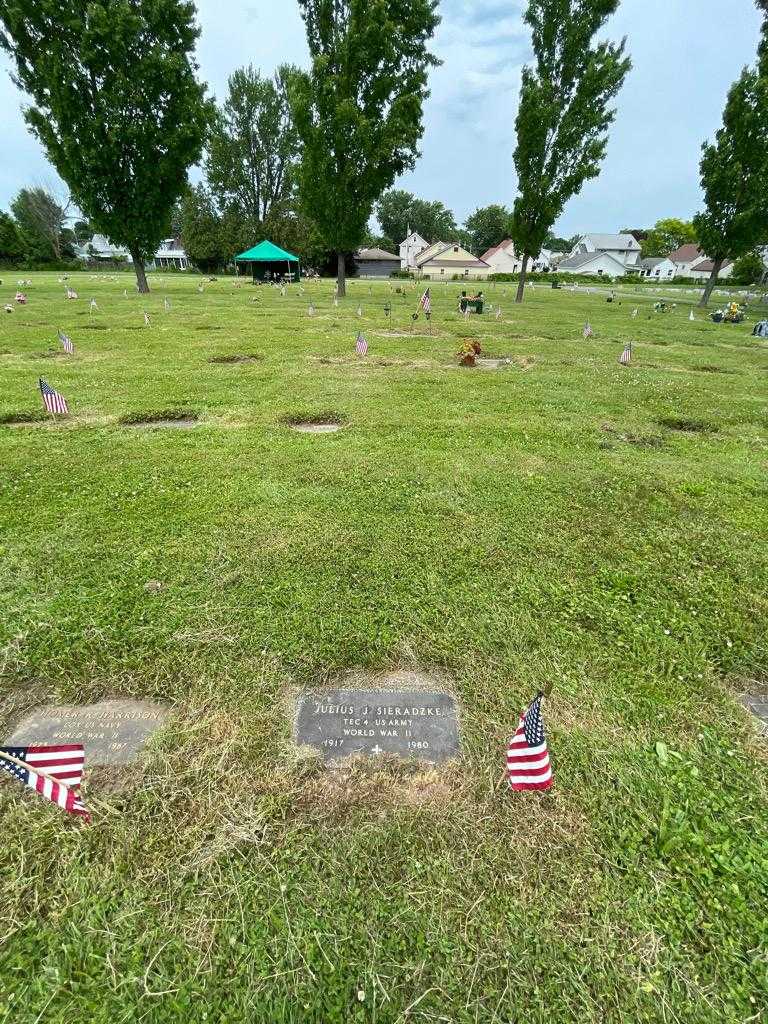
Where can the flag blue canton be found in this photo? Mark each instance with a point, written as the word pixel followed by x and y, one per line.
pixel 534 727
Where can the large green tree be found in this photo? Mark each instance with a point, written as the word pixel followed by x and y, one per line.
pixel 358 110
pixel 40 219
pixel 253 146
pixel 564 115
pixel 398 211
pixel 11 247
pixel 734 175
pixel 116 106
pixel 667 235
pixel 487 227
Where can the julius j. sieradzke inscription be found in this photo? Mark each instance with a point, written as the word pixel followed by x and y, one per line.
pixel 408 723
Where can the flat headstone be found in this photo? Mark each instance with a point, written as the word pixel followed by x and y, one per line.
pixel 113 732
pixel 316 428
pixel 408 723
pixel 758 705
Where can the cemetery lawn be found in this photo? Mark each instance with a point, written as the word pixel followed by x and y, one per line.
pixel 560 522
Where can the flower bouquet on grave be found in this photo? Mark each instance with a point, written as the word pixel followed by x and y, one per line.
pixel 733 314
pixel 468 353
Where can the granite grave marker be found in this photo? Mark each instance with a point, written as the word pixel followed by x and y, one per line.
pixel 113 732
pixel 408 723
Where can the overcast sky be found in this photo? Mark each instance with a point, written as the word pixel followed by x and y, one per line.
pixel 685 56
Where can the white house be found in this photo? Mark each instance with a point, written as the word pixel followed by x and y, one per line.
pixel 602 264
pixel 624 248
pixel 702 270
pixel 410 249
pixel 100 248
pixel 171 254
pixel 659 268
pixel 502 258
pixel 684 258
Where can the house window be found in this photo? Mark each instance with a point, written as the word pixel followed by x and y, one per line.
pixel 600 272
pixel 442 270
pixel 455 248
pixel 466 272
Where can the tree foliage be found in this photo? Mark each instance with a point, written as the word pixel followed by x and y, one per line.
pixel 253 146
pixel 40 221
pixel 667 235
pixel 734 173
pixel 487 227
pixel 397 211
pixel 11 247
pixel 749 269
pixel 116 105
pixel 358 110
pixel 564 113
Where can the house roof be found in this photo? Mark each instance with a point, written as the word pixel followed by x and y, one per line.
pixel 613 241
pixel 653 261
pixel 376 254
pixel 505 246
pixel 706 266
pixel 431 251
pixel 585 258
pixel 686 253
pixel 267 252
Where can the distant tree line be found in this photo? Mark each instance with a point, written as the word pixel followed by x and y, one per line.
pixel 307 157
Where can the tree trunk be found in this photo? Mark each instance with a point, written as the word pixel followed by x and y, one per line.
pixel 718 266
pixel 523 275
pixel 141 277
pixel 342 275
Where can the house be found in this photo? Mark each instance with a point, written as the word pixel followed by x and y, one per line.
pixel 449 259
pixel 684 258
pixel 376 262
pixel 702 269
pixel 660 268
pixel 410 249
pixel 101 250
pixel 170 254
pixel 502 258
pixel 624 248
pixel 598 263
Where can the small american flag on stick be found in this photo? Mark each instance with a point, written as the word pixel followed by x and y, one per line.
pixel 55 772
pixel 361 345
pixel 588 332
pixel 626 356
pixel 66 343
pixel 425 302
pixel 528 764
pixel 52 400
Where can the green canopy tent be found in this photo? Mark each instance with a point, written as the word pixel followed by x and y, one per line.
pixel 269 261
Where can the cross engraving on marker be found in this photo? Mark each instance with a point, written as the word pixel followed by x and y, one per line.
pixel 377 750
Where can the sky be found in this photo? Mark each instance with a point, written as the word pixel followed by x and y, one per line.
pixel 685 56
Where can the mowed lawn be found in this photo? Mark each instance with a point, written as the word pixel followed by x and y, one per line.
pixel 558 523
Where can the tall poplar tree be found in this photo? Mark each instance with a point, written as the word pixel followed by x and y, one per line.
pixel 734 175
pixel 564 116
pixel 116 106
pixel 358 110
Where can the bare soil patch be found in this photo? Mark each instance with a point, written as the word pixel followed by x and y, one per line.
pixel 10 419
pixel 327 422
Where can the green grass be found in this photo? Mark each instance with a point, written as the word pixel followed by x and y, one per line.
pixel 561 522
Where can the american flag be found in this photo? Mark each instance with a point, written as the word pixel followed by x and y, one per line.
pixel 634 313
pixel 359 310
pixel 52 400
pixel 498 312
pixel 425 302
pixel 147 321
pixel 66 343
pixel 311 309
pixel 93 305
pixel 528 765
pixel 71 294
pixel 626 356
pixel 588 332
pixel 55 772
pixel 166 304
pixel 691 317
pixel 361 345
